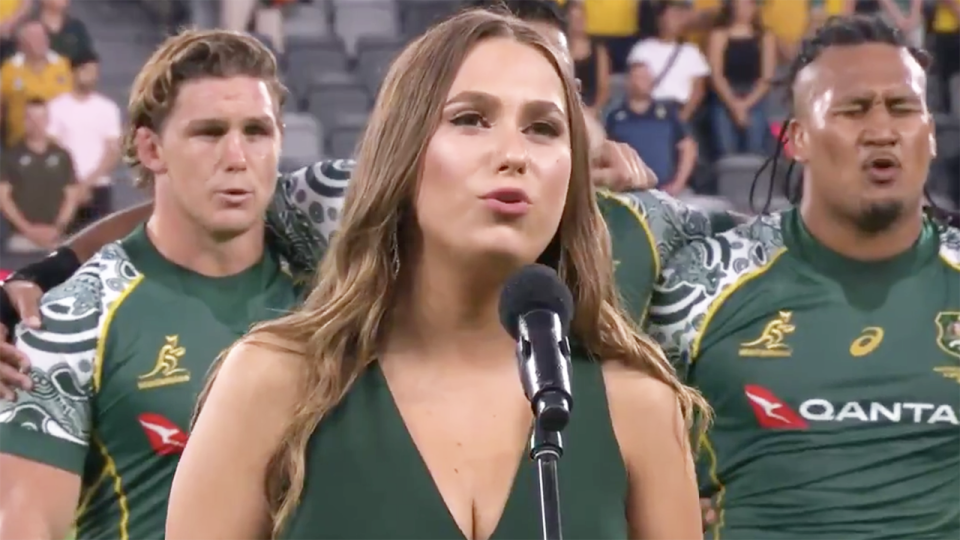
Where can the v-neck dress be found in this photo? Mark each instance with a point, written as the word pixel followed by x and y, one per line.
pixel 365 478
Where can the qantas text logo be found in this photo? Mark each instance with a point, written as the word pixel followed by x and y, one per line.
pixel 773 413
pixel 164 436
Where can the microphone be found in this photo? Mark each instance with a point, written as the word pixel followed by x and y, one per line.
pixel 535 309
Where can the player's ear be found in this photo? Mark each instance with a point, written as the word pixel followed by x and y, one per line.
pixel 797 138
pixel 149 150
pixel 933 137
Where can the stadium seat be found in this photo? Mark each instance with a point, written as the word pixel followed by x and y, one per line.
pixel 942 201
pixel 945 170
pixel 948 135
pixel 353 19
pixel 776 104
pixel 374 55
pixel 416 16
pixel 307 20
pixel 335 94
pixel 121 62
pixel 308 56
pixel 265 39
pixel 735 176
pixel 302 141
pixel 955 95
pixel 348 129
pixel 936 101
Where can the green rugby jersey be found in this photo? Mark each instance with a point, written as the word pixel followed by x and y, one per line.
pixel 834 381
pixel 645 227
pixel 124 350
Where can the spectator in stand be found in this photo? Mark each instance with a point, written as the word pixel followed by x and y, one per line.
pixel 818 11
pixel 907 15
pixel 12 13
pixel 36 185
pixel 264 15
pixel 743 58
pixel 591 61
pixel 679 68
pixel 790 21
pixel 614 22
pixel 87 124
pixel 655 130
pixel 946 47
pixel 35 72
pixel 204 14
pixel 68 35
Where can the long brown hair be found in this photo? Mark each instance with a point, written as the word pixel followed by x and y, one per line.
pixel 341 324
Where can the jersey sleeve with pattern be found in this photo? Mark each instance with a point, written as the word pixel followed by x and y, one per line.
pixel 697 275
pixel 305 212
pixel 672 223
pixel 52 423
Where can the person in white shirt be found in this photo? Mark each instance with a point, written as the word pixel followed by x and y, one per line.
pixel 87 124
pixel 679 69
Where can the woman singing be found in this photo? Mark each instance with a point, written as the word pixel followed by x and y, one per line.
pixel 389 405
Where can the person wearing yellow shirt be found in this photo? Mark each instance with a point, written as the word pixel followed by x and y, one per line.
pixel 906 15
pixel 35 72
pixel 946 45
pixel 614 23
pixel 821 10
pixel 12 13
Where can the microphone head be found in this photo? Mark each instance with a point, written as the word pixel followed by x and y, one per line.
pixel 534 287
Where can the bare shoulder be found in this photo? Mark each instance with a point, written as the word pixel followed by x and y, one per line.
pixel 632 389
pixel 260 370
pixel 662 501
pixel 640 404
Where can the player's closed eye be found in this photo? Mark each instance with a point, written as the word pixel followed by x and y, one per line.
pixel 905 108
pixel 257 130
pixel 853 111
pixel 210 132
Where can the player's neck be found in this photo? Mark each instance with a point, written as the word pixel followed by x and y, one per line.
pixel 448 313
pixel 183 242
pixel 839 236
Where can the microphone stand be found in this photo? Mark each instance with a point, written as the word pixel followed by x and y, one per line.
pixel 546 448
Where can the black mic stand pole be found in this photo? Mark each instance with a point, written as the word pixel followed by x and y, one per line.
pixel 546 448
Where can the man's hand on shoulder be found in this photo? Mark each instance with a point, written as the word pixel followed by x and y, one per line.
pixel 617 166
pixel 19 299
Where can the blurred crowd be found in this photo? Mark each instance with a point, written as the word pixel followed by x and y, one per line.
pixel 61 138
pixel 690 84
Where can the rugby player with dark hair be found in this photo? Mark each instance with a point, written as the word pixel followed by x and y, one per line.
pixel 827 337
